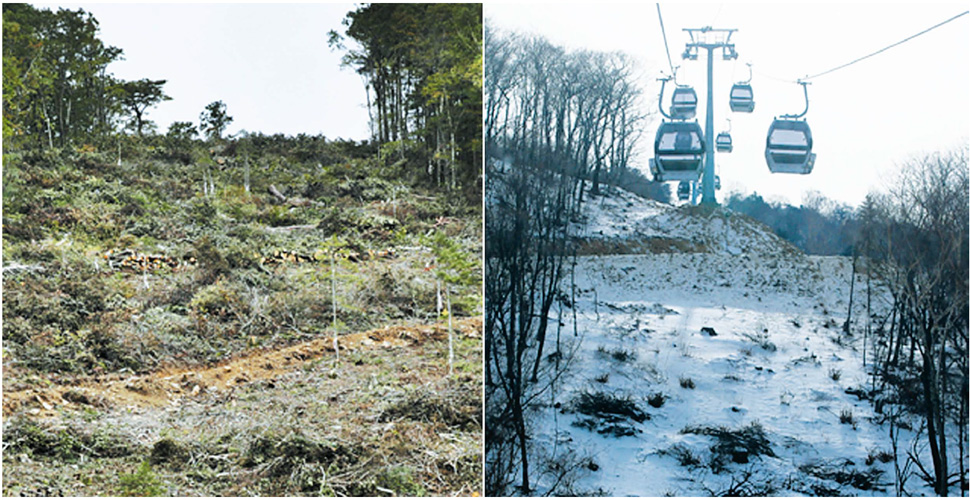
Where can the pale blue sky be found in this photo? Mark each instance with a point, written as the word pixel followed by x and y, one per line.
pixel 865 119
pixel 269 63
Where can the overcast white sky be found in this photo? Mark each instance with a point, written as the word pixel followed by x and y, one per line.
pixel 269 63
pixel 866 119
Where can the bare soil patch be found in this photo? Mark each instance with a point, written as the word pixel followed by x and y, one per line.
pixel 174 384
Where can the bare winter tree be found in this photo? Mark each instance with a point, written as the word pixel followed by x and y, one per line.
pixel 920 233
pixel 525 256
pixel 552 118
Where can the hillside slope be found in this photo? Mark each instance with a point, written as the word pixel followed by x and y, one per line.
pixel 712 365
pixel 169 320
pixel 622 222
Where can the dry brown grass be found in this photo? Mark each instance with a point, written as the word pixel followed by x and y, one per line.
pixel 655 245
pixel 312 427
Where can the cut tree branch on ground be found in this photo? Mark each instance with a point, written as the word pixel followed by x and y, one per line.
pixel 296 202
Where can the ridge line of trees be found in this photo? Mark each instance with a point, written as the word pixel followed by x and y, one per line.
pixel 577 110
pixel 56 87
pixel 422 67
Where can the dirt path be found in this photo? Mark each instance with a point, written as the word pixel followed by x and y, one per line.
pixel 170 385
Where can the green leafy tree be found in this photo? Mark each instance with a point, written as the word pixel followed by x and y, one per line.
pixel 182 131
pixel 137 96
pixel 214 120
pixel 56 85
pixel 422 67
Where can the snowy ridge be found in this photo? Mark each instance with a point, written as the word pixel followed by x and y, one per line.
pixel 621 222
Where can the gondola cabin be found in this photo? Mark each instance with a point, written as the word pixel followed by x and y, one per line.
pixel 742 98
pixel 678 152
pixel 723 143
pixel 683 103
pixel 789 147
pixel 683 190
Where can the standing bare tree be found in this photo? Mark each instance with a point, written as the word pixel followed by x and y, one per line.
pixel 922 244
pixel 552 118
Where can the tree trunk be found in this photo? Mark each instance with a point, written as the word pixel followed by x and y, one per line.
pixel 929 408
pixel 848 317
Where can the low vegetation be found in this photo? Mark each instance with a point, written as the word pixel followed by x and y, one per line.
pixel 736 446
pixel 135 262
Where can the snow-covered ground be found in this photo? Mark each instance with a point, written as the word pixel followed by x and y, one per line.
pixel 779 360
pixel 621 216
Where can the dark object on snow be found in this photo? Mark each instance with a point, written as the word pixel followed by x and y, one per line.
pixel 862 394
pixel 617 430
pixel 734 445
pixel 708 330
pixel 608 407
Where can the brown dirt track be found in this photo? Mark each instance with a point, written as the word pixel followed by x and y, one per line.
pixel 171 385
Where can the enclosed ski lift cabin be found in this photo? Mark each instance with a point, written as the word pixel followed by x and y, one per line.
pixel 789 147
pixel 678 152
pixel 723 143
pixel 683 190
pixel 742 98
pixel 683 103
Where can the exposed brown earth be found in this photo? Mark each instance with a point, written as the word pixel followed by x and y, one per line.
pixel 173 384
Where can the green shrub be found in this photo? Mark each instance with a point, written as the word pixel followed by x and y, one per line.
pixel 458 407
pixel 297 459
pixel 168 450
pixel 67 443
pixel 278 215
pixel 210 259
pixel 203 213
pixel 392 481
pixel 142 483
pixel 223 299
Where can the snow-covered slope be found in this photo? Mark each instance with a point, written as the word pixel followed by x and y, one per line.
pixel 758 407
pixel 624 222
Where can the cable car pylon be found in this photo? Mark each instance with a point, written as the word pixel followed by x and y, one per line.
pixel 710 39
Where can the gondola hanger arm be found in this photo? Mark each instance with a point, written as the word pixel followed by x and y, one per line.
pixel 660 102
pixel 804 84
